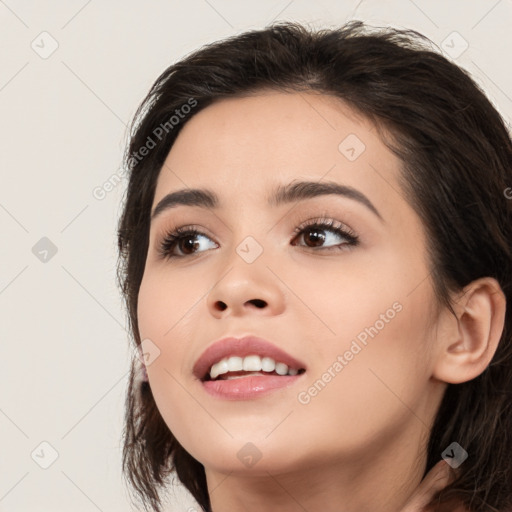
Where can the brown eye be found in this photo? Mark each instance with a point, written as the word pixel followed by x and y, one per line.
pixel 185 240
pixel 314 236
pixel 318 233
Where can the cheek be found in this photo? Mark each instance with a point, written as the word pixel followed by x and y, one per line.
pixel 166 321
pixel 377 365
pixel 384 374
pixel 166 308
pixel 165 313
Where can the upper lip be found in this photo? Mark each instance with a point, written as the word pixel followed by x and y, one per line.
pixel 245 346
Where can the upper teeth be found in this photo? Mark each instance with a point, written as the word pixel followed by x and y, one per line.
pixel 251 364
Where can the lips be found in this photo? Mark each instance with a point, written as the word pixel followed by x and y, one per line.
pixel 241 347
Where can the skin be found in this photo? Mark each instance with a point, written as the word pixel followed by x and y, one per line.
pixel 360 443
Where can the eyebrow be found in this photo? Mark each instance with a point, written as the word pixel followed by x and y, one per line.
pixel 283 194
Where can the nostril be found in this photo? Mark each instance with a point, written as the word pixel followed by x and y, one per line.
pixel 221 306
pixel 258 303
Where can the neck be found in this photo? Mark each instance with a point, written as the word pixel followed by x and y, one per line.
pixel 382 479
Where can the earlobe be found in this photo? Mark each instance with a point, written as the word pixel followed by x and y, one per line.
pixel 473 335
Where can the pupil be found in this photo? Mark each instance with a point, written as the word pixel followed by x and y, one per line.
pixel 319 237
pixel 190 245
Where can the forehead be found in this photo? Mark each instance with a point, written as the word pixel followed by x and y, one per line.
pixel 256 142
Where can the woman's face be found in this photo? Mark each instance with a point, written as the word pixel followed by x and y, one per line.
pixel 356 316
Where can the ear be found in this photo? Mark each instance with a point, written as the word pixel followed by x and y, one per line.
pixel 470 338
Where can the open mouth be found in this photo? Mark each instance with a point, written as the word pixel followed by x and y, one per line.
pixel 236 367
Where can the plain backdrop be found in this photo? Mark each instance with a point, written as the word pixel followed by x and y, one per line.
pixel 72 74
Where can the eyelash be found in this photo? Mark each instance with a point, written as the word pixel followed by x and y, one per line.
pixel 172 238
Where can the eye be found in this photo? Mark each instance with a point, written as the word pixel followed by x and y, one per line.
pixel 184 238
pixel 316 232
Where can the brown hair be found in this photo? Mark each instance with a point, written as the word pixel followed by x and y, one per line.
pixel 456 159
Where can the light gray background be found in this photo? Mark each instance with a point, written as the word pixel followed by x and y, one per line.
pixel 64 351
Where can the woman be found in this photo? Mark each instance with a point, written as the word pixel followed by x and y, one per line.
pixel 315 252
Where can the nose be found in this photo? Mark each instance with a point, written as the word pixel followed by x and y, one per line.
pixel 246 289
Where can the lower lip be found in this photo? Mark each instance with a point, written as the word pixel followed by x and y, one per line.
pixel 246 388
